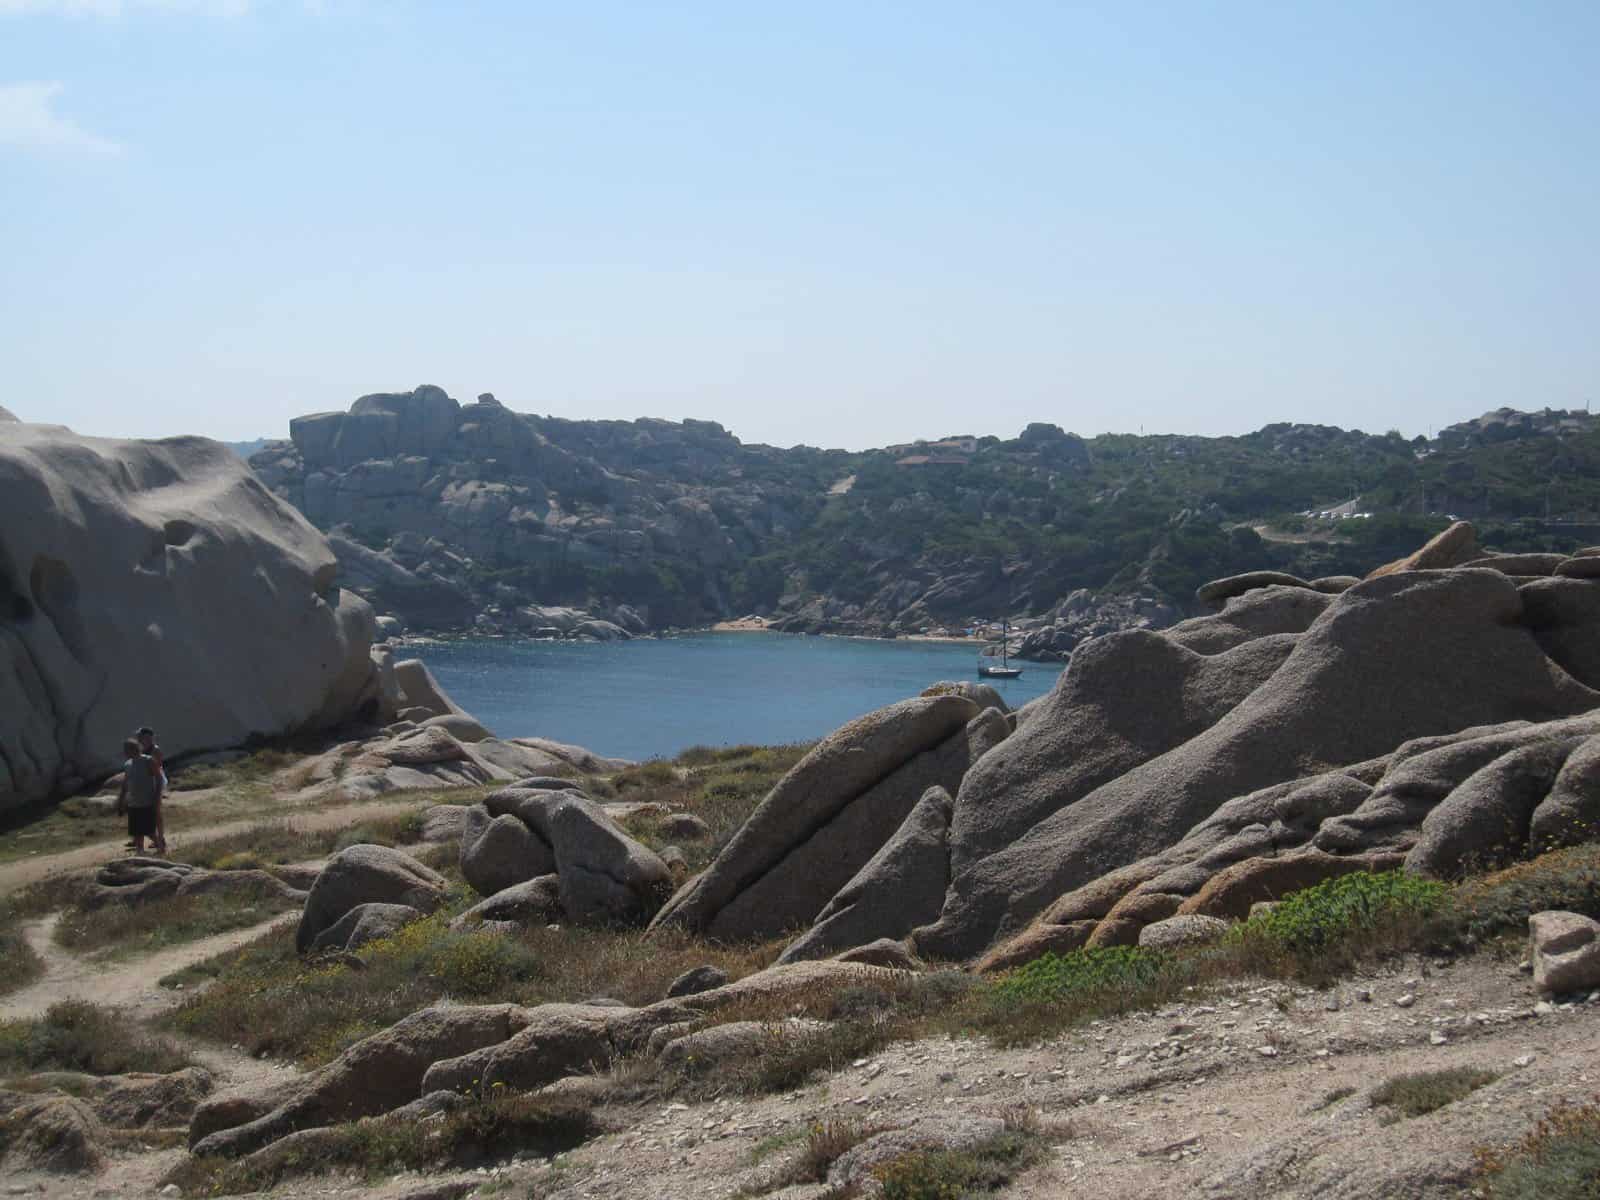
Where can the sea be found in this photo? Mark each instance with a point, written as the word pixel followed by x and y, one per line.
pixel 654 697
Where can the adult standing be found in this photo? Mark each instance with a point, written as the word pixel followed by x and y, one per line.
pixel 147 746
pixel 138 796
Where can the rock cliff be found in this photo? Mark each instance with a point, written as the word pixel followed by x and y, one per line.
pixel 159 583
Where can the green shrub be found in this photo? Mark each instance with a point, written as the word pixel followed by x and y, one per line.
pixel 1558 1160
pixel 1423 1092
pixel 1057 991
pixel 1310 922
pixel 1054 977
pixel 77 1036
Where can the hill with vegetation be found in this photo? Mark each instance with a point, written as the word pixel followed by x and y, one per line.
pixel 456 516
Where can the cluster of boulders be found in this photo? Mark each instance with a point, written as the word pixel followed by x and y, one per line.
pixel 539 852
pixel 543 847
pixel 1439 715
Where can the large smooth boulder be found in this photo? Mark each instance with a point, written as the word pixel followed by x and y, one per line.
pixel 1564 615
pixel 1453 547
pixel 365 923
pixel 1122 700
pixel 500 852
pixel 1565 950
pixel 168 554
pixel 606 876
pixel 1219 591
pixel 362 875
pixel 1405 656
pixel 843 766
pixel 796 889
pixel 901 887
pixel 1484 821
pixel 535 902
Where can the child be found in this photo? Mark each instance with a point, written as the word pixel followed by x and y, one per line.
pixel 138 795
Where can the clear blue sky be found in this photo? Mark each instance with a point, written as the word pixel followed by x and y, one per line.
pixel 843 224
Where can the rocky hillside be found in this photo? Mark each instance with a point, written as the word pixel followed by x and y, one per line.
pixel 450 515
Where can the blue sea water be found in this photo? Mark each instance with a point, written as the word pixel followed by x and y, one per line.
pixel 655 697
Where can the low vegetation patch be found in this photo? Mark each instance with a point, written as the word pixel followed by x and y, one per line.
pixel 1423 1092
pixel 1501 901
pixel 1318 933
pixel 256 767
pixel 482 1130
pixel 77 1036
pixel 1060 990
pixel 19 965
pixel 956 1174
pixel 267 998
pixel 279 842
pixel 1558 1160
pixel 120 930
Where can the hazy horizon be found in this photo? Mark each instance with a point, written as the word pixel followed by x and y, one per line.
pixel 834 226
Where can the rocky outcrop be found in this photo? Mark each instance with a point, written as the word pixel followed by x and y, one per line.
pixel 522 833
pixel 173 556
pixel 901 887
pixel 831 813
pixel 1403 656
pixel 363 874
pixel 59 1134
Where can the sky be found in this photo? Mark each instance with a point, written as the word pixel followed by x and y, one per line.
pixel 841 224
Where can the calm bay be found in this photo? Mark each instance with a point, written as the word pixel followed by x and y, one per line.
pixel 654 697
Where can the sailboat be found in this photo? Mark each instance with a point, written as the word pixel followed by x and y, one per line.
pixel 987 669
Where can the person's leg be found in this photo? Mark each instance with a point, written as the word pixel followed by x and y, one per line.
pixel 161 827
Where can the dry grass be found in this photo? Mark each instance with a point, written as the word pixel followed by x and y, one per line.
pixel 480 1131
pixel 279 842
pixel 267 998
pixel 118 930
pixel 77 1036
pixel 720 786
pixel 19 965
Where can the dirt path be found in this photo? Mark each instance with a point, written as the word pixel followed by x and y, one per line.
pixel 130 984
pixel 22 872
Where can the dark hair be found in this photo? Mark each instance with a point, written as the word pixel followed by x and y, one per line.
pixel 146 731
pixel 131 748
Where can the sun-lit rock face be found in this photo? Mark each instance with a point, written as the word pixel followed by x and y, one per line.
pixel 158 583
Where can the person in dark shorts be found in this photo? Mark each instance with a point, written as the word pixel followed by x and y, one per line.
pixel 147 745
pixel 138 795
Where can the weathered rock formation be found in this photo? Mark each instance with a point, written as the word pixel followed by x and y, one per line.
pixel 829 815
pixel 159 583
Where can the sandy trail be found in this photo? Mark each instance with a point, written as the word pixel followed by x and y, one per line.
pixel 131 984
pixel 22 872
